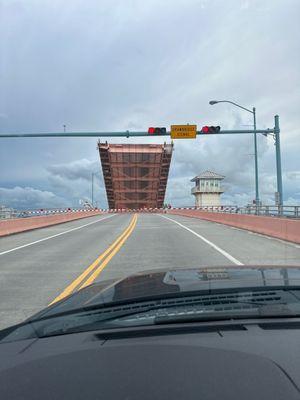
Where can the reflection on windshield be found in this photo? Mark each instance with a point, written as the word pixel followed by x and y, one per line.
pixel 185 280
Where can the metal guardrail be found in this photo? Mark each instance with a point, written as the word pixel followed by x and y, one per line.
pixel 44 211
pixel 266 210
pixel 272 211
pixel 282 211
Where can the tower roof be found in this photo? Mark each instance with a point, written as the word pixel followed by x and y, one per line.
pixel 208 175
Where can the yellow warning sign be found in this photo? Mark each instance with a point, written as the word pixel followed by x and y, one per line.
pixel 183 131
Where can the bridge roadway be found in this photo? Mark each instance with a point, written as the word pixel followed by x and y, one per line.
pixel 39 266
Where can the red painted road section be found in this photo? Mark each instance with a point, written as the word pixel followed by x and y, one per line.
pixel 10 226
pixel 280 228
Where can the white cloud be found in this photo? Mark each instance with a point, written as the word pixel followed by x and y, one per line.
pixel 28 197
pixel 79 169
pixel 73 181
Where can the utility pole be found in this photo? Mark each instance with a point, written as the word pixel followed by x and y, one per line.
pixel 93 173
pixel 278 161
pixel 257 201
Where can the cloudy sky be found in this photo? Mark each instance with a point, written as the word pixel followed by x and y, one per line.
pixel 129 64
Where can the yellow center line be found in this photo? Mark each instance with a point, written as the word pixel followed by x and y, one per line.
pixel 97 271
pixel 69 289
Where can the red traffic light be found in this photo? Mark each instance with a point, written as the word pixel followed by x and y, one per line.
pixel 157 131
pixel 210 129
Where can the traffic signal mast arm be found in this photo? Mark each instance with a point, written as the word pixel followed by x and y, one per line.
pixel 127 133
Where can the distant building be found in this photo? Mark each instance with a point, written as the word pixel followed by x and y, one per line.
pixel 207 189
pixel 6 212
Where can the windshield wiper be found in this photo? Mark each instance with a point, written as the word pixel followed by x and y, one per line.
pixel 156 314
pixel 262 311
pixel 132 305
pixel 165 310
pixel 135 306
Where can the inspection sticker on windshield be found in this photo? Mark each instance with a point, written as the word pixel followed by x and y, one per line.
pixel 183 131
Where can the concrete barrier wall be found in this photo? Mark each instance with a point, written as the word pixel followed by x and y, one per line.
pixel 281 228
pixel 10 226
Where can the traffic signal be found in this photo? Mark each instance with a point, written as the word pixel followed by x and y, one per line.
pixel 210 129
pixel 157 131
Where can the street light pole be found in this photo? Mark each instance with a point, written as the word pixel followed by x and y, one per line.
pixel 278 161
pixel 253 112
pixel 255 159
pixel 93 173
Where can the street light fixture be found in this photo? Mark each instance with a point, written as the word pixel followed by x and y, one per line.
pixel 253 112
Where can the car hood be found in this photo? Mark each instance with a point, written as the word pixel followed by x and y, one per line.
pixel 169 282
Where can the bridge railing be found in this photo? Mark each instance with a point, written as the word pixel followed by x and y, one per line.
pixel 12 214
pixel 265 210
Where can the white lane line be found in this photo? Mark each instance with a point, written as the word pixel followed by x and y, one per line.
pixel 53 236
pixel 214 246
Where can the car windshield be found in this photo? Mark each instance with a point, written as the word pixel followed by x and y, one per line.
pixel 149 163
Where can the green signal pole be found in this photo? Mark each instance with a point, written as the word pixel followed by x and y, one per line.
pixel 278 160
pixel 255 157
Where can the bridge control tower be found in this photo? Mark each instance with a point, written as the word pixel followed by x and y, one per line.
pixel 207 189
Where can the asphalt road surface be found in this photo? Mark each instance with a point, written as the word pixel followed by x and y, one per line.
pixel 41 266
